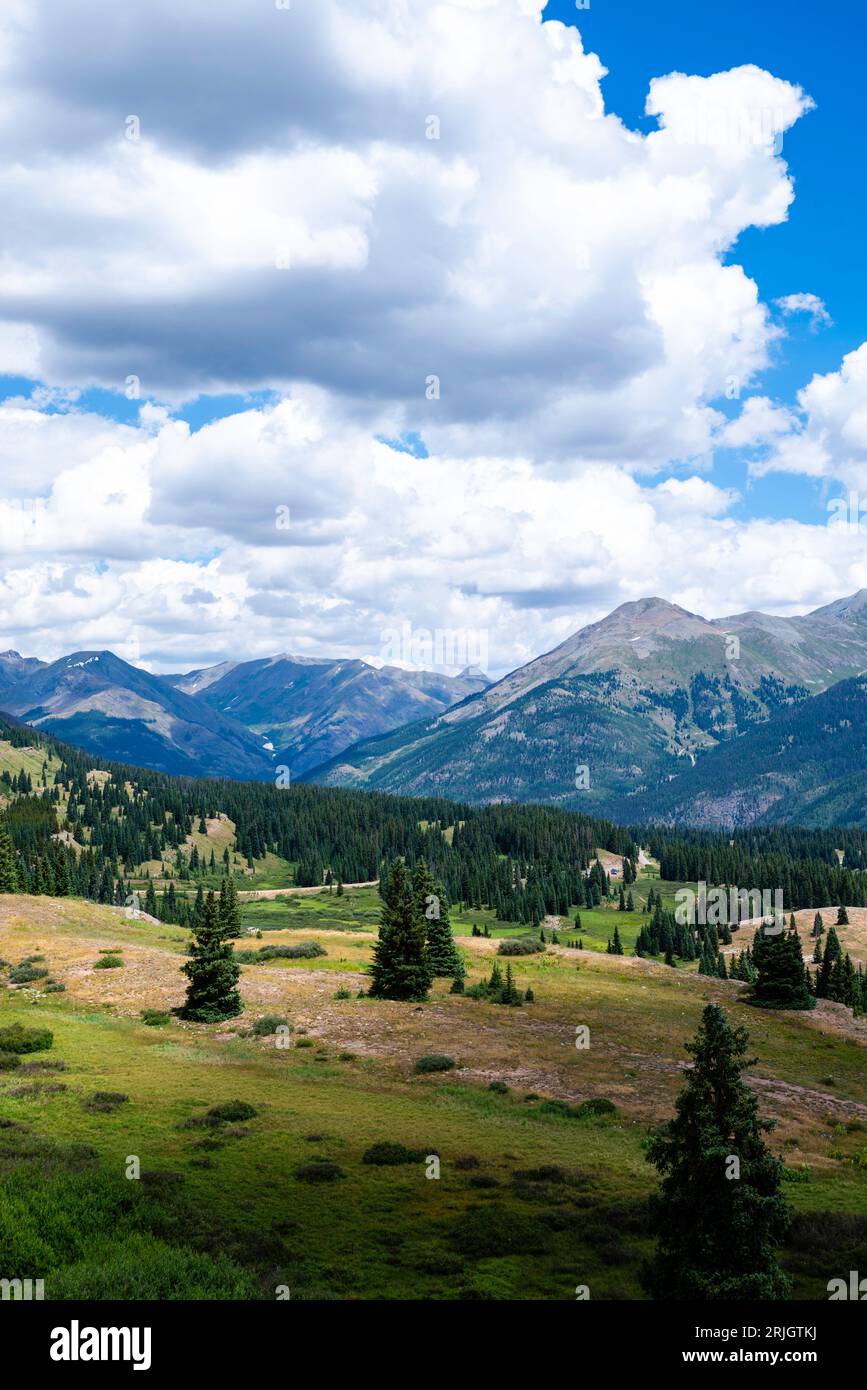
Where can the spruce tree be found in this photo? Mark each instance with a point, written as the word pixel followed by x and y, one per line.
pixel 717 1226
pixel 444 958
pixel 230 912
pixel 212 971
pixel 779 973
pixel 400 968
pixel 842 917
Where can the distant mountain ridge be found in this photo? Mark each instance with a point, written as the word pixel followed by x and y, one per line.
pixel 238 719
pixel 616 708
pixel 651 713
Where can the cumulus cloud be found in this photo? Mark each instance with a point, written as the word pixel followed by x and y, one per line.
pixel 366 197
pixel 408 220
pixel 828 439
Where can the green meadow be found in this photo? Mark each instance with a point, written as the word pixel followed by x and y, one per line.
pixel 510 1192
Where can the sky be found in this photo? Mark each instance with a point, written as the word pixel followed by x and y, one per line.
pixel 330 320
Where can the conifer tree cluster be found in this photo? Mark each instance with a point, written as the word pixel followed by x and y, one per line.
pixel 415 941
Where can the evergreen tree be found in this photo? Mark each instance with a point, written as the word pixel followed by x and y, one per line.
pixel 8 870
pixel 212 971
pixel 230 912
pixel 617 944
pixel 716 1232
pixel 443 956
pixel 400 968
pixel 779 973
pixel 842 918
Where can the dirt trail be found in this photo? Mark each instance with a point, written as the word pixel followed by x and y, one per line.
pixel 254 894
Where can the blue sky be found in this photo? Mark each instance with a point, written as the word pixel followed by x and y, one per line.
pixel 821 246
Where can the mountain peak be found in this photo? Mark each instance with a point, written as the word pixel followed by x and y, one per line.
pixel 853 604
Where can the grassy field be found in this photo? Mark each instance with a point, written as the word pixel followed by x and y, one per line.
pixel 528 1202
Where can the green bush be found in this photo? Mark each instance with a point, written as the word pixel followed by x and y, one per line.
pixel 343 994
pixel 387 1154
pixel 520 946
pixel 435 1061
pixel 320 1170
pixel 17 1038
pixel 599 1105
pixel 55 987
pixel 9 1061
pixel 155 1018
pixel 499 1088
pixel 304 1042
pixel 108 963
pixel 303 950
pixel 268 1024
pixel 231 1111
pixel 104 1102
pixel 23 974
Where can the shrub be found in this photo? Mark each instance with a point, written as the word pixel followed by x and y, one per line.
pixel 16 1038
pixel 155 1018
pixel 387 1154
pixel 108 963
pixel 9 1061
pixel 23 974
pixel 55 987
pixel 105 1102
pixel 499 1087
pixel 304 1042
pixel 483 1180
pixel 343 994
pixel 231 1111
pixel 346 1056
pixel 435 1061
pixel 268 1024
pixel 556 1107
pixel 520 946
pixel 302 950
pixel 466 1162
pixel 319 1170
pixel 599 1105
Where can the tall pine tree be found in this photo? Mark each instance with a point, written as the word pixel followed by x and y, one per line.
pixel 720 1213
pixel 400 968
pixel 212 971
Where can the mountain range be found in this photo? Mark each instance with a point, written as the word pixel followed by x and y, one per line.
pixel 622 709
pixel 652 714
pixel 239 719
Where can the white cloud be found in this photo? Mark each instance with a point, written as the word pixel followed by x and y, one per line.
pixel 805 304
pixel 830 438
pixel 283 217
pixel 283 221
